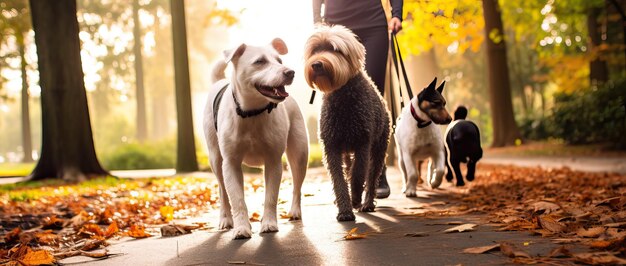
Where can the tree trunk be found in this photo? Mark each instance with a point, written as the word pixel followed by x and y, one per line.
pixel 186 149
pixel 622 15
pixel 142 126
pixel 505 130
pixel 598 70
pixel 67 144
pixel 27 143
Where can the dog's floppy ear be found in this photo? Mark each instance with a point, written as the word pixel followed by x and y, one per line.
pixel 231 54
pixel 440 89
pixel 280 46
pixel 432 85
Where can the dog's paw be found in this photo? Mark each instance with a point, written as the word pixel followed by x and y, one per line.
pixel 295 214
pixel 410 193
pixel 356 204
pixel 435 181
pixel 449 177
pixel 346 216
pixel 269 227
pixel 242 232
pixel 368 207
pixel 470 177
pixel 460 183
pixel 226 223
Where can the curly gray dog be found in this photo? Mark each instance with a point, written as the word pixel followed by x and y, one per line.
pixel 354 123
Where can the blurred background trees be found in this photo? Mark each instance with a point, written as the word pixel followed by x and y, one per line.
pixel 566 65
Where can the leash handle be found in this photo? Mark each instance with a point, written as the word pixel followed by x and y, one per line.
pixel 312 97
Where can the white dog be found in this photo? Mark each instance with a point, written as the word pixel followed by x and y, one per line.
pixel 251 120
pixel 418 139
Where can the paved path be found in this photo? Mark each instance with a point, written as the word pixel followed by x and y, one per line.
pixel 317 239
pixel 579 163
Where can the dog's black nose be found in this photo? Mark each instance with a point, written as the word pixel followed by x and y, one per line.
pixel 317 66
pixel 289 73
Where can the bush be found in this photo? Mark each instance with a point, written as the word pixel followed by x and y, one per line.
pixel 157 155
pixel 592 115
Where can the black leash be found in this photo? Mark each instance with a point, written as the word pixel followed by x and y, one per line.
pixel 397 56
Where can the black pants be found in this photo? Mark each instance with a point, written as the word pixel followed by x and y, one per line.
pixel 376 42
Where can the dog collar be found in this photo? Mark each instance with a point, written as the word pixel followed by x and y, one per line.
pixel 250 113
pixel 420 122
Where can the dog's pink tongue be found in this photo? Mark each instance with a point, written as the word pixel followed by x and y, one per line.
pixel 281 91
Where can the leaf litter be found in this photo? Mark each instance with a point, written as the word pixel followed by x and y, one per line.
pixel 45 224
pixel 564 205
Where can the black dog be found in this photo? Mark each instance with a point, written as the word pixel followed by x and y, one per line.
pixel 462 145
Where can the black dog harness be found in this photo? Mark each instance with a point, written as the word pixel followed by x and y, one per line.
pixel 420 122
pixel 244 114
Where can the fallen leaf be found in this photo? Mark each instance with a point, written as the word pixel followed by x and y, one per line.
pixel 416 234
pixel 13 235
pixel 591 232
pixel 599 258
pixel 52 222
pixel 256 217
pixel 92 244
pixel 236 262
pixel 111 230
pixel 167 213
pixel 91 229
pixel 285 216
pixel 177 229
pixel 352 234
pixel 138 231
pixel 545 207
pixel 39 257
pixel 511 251
pixel 95 254
pixel 481 250
pixel 461 228
pixel 46 237
pixel 550 224
pixel 600 244
pixel 616 225
pixel 560 252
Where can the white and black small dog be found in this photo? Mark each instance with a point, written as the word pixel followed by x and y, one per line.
pixel 418 137
pixel 462 145
pixel 251 120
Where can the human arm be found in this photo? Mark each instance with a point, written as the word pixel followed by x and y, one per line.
pixel 317 11
pixel 395 23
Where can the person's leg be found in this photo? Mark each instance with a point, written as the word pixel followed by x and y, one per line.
pixel 376 42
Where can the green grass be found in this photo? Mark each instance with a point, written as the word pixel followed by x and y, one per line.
pixel 16 169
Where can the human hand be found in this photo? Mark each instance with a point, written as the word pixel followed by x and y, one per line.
pixel 395 25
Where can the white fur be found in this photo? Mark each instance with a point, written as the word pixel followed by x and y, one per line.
pixel 257 141
pixel 415 145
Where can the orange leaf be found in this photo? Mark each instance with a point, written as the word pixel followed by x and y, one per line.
pixel 92 230
pixel 138 231
pixel 39 257
pixel 352 234
pixel 111 230
pixel 13 235
pixel 255 217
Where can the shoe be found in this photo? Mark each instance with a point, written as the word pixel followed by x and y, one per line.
pixel 382 190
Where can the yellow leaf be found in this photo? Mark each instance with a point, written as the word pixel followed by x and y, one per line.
pixel 167 213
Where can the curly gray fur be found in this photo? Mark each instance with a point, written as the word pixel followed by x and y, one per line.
pixel 354 121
